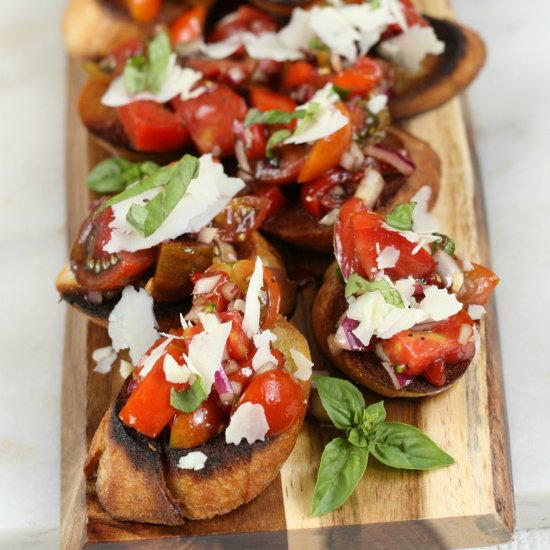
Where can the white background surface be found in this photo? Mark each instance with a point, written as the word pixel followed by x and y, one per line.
pixel 511 106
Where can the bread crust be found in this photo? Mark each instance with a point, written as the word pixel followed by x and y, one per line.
pixel 137 478
pixel 364 367
pixel 445 75
pixel 295 225
pixel 167 313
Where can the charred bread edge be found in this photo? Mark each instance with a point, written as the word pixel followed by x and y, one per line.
pixel 364 367
pixel 318 237
pixel 137 478
pixel 167 314
pixel 460 63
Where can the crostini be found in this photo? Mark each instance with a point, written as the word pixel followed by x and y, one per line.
pixel 210 413
pixel 399 311
pixel 138 238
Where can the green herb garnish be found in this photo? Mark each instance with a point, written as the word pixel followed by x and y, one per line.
pixel 148 73
pixel 174 179
pixel 115 174
pixel 357 284
pixel 400 216
pixel 278 137
pixel 445 243
pixel 188 400
pixel 255 116
pixel 344 460
pixel 343 93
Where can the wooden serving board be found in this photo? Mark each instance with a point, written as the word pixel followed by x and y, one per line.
pixel 468 504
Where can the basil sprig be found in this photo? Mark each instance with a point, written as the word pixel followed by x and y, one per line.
pixel 255 116
pixel 445 243
pixel 115 174
pixel 148 73
pixel 344 460
pixel 174 180
pixel 358 285
pixel 277 137
pixel 188 400
pixel 400 216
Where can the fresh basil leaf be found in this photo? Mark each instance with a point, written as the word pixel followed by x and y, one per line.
pixel 403 446
pixel 276 138
pixel 376 412
pixel 310 111
pixel 255 116
pixel 342 466
pixel 400 216
pixel 148 73
pixel 375 4
pixel 371 419
pixel 188 400
pixel 147 219
pixel 341 399
pixel 115 174
pixel 317 44
pixel 357 284
pixel 343 93
pixel 355 437
pixel 445 243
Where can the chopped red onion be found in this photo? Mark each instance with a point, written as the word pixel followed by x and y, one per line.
pixel 429 325
pixel 229 290
pixel 206 285
pixel 231 366
pixel 447 268
pixel 399 381
pixel 345 339
pixel 94 297
pixel 237 387
pixel 223 387
pixel 370 187
pixel 207 235
pixel 392 157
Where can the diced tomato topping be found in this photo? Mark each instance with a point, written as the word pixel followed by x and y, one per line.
pixel 253 138
pixel 232 72
pixel 209 118
pixel 152 127
pixel 131 48
pixel 267 100
pixel 478 286
pixel 238 342
pixel 275 197
pixel 298 73
pixel 412 16
pixel 241 217
pixel 144 11
pixel 281 397
pixel 360 79
pixel 244 19
pixel 291 159
pixel 189 26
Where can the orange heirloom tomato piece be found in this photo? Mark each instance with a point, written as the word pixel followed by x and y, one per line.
pixel 189 26
pixel 144 11
pixel 478 285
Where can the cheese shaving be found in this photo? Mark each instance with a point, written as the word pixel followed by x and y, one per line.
pixel 194 460
pixel 174 372
pixel 303 364
pixel 438 304
pixel 388 257
pixel 247 422
pixel 263 355
pixel 476 311
pixel 104 359
pixel 251 319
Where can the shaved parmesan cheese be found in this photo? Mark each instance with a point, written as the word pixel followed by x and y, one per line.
pixel 206 196
pixel 179 81
pixel 132 323
pixel 303 364
pixel 377 103
pixel 336 31
pixel 387 257
pixel 406 288
pixel 298 33
pixel 269 45
pixel 263 355
pixel 125 368
pixel 324 122
pixel 194 460
pixel 148 362
pixel 174 372
pixel 251 319
pixel 438 304
pixel 104 359
pixel 247 422
pixel 330 218
pixel 423 221
pixel 378 318
pixel 206 349
pixel 184 323
pixel 409 49
pixel 223 48
pixel 467 265
pixel 476 311
pixel 239 305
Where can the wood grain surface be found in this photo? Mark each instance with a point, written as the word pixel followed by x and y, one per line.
pixel 468 504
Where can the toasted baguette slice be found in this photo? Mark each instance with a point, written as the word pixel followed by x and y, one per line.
pixel 137 478
pixel 295 225
pixel 167 313
pixel 364 367
pixel 444 76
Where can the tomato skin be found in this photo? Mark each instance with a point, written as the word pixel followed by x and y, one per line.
pixel 298 73
pixel 281 397
pixel 238 343
pixel 412 16
pixel 253 138
pixel 435 374
pixel 478 286
pixel 144 11
pixel 93 235
pixel 267 100
pixel 327 151
pixel 275 197
pixel 152 127
pixel 209 118
pixel 131 48
pixel 189 26
pixel 241 217
pixel 232 72
pixel 190 430
pixel 244 19
pixel 291 160
pixel 365 75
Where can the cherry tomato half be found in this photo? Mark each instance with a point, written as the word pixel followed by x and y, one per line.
pixel 189 26
pixel 144 11
pixel 478 286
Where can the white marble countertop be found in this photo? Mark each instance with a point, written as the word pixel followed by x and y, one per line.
pixel 511 113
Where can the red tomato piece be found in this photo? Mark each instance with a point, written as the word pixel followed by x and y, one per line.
pixel 131 48
pixel 281 397
pixel 232 72
pixel 244 19
pixel 291 160
pixel 365 75
pixel 478 286
pixel 267 100
pixel 209 118
pixel 96 269
pixel 253 138
pixel 152 127
pixel 275 197
pixel 144 11
pixel 327 152
pixel 189 26
pixel 241 217
pixel 435 374
pixel 238 343
pixel 298 73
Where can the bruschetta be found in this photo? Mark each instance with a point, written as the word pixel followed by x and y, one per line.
pixel 210 413
pixel 399 312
